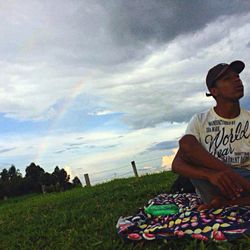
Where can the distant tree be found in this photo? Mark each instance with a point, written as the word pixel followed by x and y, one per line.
pixel 14 173
pixel 61 176
pixel 10 182
pixel 47 179
pixel 1 189
pixel 76 182
pixel 5 183
pixel 35 180
pixel 34 175
pixel 34 171
pixel 25 186
pixel 56 174
pixel 4 175
pixel 64 177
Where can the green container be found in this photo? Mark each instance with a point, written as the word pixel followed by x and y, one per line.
pixel 158 210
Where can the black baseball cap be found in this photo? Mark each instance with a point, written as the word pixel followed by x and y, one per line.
pixel 215 72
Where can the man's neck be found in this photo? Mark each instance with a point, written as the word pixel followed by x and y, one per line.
pixel 228 110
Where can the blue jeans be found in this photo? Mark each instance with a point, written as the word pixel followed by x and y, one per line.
pixel 206 191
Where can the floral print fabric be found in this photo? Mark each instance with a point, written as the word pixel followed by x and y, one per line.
pixel 218 224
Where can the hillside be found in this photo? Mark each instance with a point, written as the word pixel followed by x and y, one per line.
pixel 85 218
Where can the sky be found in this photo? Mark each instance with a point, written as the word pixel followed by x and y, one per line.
pixel 92 85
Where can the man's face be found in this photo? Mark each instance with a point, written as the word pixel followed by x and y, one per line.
pixel 229 86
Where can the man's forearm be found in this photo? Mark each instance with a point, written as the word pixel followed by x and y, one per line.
pixel 191 150
pixel 242 201
pixel 180 166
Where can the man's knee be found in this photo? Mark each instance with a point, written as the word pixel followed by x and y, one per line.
pixel 205 190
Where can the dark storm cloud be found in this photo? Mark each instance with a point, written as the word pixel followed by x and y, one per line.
pixel 161 21
pixel 102 33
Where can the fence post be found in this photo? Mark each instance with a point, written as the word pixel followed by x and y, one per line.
pixel 86 176
pixel 134 168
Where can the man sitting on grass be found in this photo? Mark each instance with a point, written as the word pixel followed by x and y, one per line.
pixel 215 150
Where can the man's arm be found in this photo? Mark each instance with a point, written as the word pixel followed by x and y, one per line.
pixel 192 150
pixel 217 178
pixel 185 168
pixel 242 201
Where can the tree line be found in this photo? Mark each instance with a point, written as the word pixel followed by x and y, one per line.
pixel 36 180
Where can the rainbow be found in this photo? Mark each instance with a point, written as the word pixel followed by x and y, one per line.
pixel 26 47
pixel 77 88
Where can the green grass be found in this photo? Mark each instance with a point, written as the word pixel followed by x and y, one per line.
pixel 85 218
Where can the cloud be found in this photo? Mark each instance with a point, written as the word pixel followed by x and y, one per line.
pixel 70 172
pixel 101 33
pixel 168 159
pixel 100 151
pixel 75 144
pixel 128 55
pixel 133 146
pixel 101 112
pixel 164 145
pixel 162 21
pixel 60 151
pixel 170 84
pixel 4 150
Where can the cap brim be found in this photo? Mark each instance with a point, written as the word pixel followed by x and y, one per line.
pixel 237 66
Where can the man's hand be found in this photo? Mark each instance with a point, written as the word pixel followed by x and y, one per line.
pixel 216 202
pixel 219 202
pixel 229 183
pixel 242 181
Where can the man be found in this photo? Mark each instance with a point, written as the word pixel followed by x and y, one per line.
pixel 215 150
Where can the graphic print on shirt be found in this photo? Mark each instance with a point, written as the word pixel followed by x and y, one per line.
pixel 220 140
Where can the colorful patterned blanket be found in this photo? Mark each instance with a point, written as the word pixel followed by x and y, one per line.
pixel 218 224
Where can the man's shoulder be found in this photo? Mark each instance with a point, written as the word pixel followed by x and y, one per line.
pixel 199 119
pixel 203 114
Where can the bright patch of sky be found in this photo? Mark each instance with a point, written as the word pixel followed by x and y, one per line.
pixel 93 85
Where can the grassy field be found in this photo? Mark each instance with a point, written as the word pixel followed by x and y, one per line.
pixel 85 218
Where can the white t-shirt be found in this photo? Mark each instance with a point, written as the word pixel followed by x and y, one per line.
pixel 226 139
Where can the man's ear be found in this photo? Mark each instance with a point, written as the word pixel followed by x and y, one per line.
pixel 214 91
